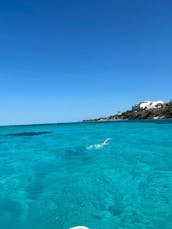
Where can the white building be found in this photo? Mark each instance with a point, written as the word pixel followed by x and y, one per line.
pixel 148 105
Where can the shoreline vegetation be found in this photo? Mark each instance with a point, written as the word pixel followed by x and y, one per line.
pixel 163 112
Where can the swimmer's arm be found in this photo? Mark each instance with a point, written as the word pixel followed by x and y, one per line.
pixel 107 140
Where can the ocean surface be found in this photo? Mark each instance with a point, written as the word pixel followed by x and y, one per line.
pixel 54 176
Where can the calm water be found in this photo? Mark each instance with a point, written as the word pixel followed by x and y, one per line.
pixel 50 180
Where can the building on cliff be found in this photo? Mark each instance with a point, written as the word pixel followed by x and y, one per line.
pixel 148 105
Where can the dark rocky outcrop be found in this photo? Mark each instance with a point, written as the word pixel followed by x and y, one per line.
pixel 28 134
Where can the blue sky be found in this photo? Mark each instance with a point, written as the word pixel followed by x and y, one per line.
pixel 71 60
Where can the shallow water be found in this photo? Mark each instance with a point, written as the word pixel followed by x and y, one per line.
pixel 50 179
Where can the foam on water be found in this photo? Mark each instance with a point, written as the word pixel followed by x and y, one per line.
pixel 51 179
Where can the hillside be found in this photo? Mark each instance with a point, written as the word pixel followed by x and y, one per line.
pixel 164 112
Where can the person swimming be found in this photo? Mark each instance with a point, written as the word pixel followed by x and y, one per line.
pixel 79 227
pixel 105 142
pixel 97 146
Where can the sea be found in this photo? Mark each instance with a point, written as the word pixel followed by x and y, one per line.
pixel 60 176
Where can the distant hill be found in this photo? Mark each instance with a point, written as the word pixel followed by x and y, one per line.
pixel 164 112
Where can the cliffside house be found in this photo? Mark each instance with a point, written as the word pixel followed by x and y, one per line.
pixel 148 105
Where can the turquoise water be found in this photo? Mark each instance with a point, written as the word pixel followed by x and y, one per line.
pixel 49 179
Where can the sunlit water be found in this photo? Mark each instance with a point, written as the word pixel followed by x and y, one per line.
pixel 51 179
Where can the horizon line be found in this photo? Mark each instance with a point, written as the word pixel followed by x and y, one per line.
pixel 40 124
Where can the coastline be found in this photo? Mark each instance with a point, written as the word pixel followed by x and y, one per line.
pixel 162 111
pixel 128 120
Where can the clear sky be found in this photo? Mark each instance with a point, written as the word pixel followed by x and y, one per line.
pixel 71 60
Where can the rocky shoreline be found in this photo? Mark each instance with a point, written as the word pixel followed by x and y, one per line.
pixel 164 112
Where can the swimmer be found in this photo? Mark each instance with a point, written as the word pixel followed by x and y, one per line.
pixel 97 146
pixel 105 141
pixel 79 227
